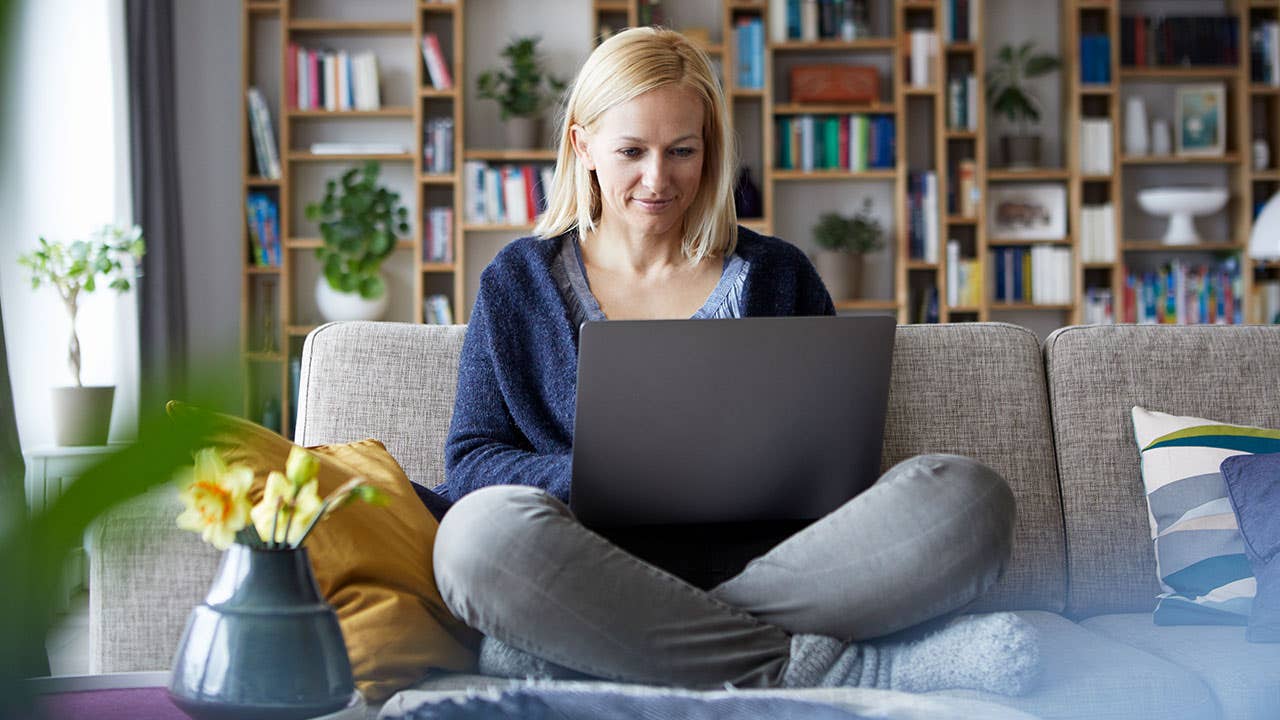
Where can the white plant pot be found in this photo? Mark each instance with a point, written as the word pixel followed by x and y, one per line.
pixel 82 415
pixel 335 305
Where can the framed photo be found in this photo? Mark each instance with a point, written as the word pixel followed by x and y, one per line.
pixel 1202 119
pixel 1027 211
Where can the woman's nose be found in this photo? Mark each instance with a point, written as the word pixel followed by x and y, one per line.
pixel 654 176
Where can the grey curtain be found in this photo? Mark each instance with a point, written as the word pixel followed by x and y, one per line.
pixel 162 305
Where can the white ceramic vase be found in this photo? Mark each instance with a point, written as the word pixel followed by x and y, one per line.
pixel 335 305
pixel 1161 140
pixel 1135 127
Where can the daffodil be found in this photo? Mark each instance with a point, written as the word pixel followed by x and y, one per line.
pixel 216 498
pixel 302 466
pixel 286 510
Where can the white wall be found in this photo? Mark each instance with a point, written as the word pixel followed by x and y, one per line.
pixel 65 173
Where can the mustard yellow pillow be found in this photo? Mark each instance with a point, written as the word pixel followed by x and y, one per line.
pixel 372 563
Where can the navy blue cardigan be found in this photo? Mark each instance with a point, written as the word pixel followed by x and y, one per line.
pixel 517 375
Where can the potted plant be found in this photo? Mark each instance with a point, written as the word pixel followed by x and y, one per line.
pixel 1010 98
pixel 523 90
pixel 842 242
pixel 359 220
pixel 82 415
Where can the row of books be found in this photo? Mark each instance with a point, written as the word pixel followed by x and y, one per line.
pixel 1185 294
pixel 1098 233
pixel 1099 307
pixel 924 50
pixel 922 216
pixel 1095 58
pixel 437 146
pixel 263 214
pixel 1264 53
pixel 437 310
pixel 1040 274
pixel 959 24
pixel 507 194
pixel 924 304
pixel 748 37
pixel 810 20
pixel 437 66
pixel 964 278
pixel 836 142
pixel 331 80
pixel 1095 146
pixel 437 235
pixel 962 102
pixel 1170 40
pixel 962 192
pixel 265 155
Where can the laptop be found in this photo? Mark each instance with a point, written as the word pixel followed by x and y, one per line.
pixel 700 444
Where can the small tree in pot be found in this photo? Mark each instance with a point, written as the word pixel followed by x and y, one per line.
pixel 359 220
pixel 523 91
pixel 842 242
pixel 1010 98
pixel 82 415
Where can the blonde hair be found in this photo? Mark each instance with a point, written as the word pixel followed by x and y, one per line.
pixel 625 66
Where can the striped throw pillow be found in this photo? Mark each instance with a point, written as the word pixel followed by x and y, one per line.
pixel 1204 573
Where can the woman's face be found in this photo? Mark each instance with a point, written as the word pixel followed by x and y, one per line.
pixel 647 154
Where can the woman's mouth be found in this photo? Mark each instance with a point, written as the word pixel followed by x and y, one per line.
pixel 655 205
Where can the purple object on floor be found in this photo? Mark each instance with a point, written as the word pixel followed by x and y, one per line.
pixel 149 703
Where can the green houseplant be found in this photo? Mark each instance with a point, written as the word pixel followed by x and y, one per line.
pixel 1010 98
pixel 82 415
pixel 359 220
pixel 842 242
pixel 523 91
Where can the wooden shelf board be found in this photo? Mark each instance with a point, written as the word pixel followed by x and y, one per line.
pixel 1179 73
pixel 312 243
pixel 864 45
pixel 1097 265
pixel 961 220
pixel 815 175
pixel 1160 246
pixel 1006 174
pixel 393 112
pixel 878 108
pixel 1097 178
pixel 1227 159
pixel 1097 89
pixel 437 267
pixel 920 91
pixel 866 305
pixel 921 265
pixel 1260 89
pixel 1264 175
pixel 1015 243
pixel 347 26
pixel 261 269
pixel 263 357
pixel 961 47
pixel 430 92
pixel 748 93
pixel 964 308
pixel 437 7
pixel 344 157
pixel 437 179
pixel 539 155
pixel 300 329
pixel 619 6
pixel 962 134
pixel 1097 4
pixel 496 227
pixel 998 306
pixel 258 181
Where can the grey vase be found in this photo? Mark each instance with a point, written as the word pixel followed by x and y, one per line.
pixel 263 644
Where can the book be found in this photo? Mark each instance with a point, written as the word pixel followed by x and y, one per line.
pixel 264 138
pixel 437 66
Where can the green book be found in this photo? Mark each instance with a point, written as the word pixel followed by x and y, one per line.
pixel 785 161
pixel 830 142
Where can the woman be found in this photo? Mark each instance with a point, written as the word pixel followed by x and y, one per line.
pixel 641 224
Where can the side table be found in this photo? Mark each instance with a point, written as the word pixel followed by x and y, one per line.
pixel 50 470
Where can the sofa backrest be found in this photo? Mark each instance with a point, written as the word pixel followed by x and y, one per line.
pixel 978 389
pixel 973 389
pixel 1096 375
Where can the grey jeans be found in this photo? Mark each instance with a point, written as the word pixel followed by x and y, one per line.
pixel 932 534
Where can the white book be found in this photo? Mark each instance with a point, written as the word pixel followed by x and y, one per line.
pixel 806 143
pixel 857 148
pixel 329 82
pixel 931 218
pixel 923 44
pixel 260 124
pixel 513 194
pixel 473 184
pixel 357 148
pixel 492 195
pixel 808 20
pixel 303 100
pixel 1273 44
pixel 344 80
pixel 953 271
pixel 778 21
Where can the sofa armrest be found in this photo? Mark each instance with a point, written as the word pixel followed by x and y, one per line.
pixel 145 575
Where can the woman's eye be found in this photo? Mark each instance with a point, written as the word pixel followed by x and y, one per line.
pixel 683 152
pixel 630 152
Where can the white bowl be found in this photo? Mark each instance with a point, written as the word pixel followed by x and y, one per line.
pixel 1181 204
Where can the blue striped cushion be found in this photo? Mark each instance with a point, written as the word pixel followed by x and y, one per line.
pixel 1204 574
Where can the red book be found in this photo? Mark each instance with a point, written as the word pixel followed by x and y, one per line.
pixel 1139 41
pixel 313 75
pixel 437 68
pixel 291 75
pixel 844 142
pixel 531 204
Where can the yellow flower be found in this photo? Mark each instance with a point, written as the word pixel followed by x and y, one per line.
pixel 288 513
pixel 216 499
pixel 301 467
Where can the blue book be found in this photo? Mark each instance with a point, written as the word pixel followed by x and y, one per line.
pixel 793 19
pixel 1104 58
pixel 997 257
pixel 1017 273
pixel 757 52
pixel 785 162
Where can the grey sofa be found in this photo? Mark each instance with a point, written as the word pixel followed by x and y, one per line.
pixel 1053 418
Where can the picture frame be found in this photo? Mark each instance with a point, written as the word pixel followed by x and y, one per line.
pixel 1201 119
pixel 1027 211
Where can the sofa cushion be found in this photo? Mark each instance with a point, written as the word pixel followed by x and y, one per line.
pixel 1244 677
pixel 1086 676
pixel 978 389
pixel 1203 570
pixel 1096 374
pixel 1253 483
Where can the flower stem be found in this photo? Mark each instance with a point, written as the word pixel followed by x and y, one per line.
pixel 275 520
pixel 324 507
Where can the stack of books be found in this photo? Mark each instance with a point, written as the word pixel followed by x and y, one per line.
pixel 1040 274
pixel 922 216
pixel 1095 146
pixel 964 278
pixel 507 194
pixel 1098 306
pixel 748 36
pixel 835 142
pixel 1186 294
pixel 437 66
pixel 1095 59
pixel 329 80
pixel 437 310
pixel 1147 41
pixel 264 138
pixel 1098 233
pixel 437 235
pixel 437 146
pixel 810 20
pixel 962 102
pixel 1264 53
pixel 263 214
